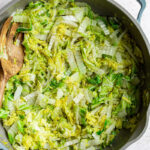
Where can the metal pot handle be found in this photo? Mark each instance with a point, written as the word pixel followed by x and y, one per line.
pixel 143 5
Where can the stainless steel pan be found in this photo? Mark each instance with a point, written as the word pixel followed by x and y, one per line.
pixel 106 8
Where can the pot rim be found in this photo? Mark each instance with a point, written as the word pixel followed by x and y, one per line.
pixel 134 21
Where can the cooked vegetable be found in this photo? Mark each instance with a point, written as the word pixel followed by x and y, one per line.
pixel 3 113
pixel 80 83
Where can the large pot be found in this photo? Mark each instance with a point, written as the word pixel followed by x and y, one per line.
pixel 106 8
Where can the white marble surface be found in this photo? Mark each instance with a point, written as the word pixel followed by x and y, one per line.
pixel 133 7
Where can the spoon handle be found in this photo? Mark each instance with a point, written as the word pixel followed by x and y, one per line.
pixel 2 86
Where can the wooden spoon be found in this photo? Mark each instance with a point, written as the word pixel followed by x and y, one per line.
pixel 12 54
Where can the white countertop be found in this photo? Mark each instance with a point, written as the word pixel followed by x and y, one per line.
pixel 133 7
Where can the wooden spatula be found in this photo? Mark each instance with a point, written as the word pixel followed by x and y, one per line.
pixel 12 55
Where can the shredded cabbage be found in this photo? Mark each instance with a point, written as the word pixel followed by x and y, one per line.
pixel 80 81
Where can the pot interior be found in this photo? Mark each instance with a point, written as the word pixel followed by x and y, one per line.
pixel 105 8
